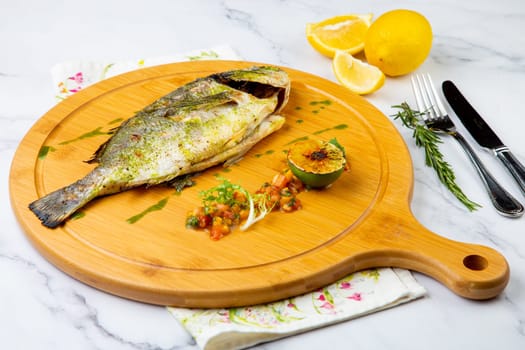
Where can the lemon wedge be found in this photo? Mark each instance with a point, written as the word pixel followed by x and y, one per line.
pixel 359 77
pixel 346 33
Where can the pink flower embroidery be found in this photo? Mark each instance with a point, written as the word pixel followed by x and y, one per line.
pixel 325 303
pixel 355 296
pixel 345 285
pixel 224 316
pixel 327 306
pixel 77 78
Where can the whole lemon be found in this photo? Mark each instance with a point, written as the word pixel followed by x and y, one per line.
pixel 398 42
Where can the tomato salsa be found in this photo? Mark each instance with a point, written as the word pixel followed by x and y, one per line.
pixel 229 205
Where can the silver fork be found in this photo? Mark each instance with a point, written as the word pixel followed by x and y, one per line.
pixel 437 119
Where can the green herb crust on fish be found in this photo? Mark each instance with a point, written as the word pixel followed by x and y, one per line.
pixel 206 122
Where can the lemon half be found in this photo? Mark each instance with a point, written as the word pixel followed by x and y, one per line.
pixel 346 33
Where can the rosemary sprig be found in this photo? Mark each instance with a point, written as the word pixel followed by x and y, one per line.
pixel 429 141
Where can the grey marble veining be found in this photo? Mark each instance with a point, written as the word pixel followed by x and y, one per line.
pixel 478 44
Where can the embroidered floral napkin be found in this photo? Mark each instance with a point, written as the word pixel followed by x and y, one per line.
pixel 358 294
pixel 70 77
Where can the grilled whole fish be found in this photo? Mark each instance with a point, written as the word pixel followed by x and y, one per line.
pixel 206 122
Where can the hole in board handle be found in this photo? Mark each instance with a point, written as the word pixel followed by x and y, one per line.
pixel 475 262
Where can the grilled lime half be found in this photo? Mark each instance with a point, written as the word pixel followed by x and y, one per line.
pixel 317 163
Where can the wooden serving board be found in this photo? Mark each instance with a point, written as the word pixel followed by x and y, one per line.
pixel 362 221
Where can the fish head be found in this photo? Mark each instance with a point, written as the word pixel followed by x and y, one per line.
pixel 259 81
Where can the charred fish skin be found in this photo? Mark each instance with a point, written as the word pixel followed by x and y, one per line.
pixel 206 122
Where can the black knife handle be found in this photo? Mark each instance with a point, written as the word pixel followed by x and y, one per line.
pixel 513 165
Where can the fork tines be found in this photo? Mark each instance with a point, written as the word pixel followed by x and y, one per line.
pixel 427 99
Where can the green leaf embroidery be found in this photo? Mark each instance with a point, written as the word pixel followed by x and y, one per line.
pixel 374 274
pixel 204 55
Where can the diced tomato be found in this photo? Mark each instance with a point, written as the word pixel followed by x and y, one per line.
pixel 296 185
pixel 228 214
pixel 280 180
pixel 239 196
pixel 204 221
pixel 221 208
pixel 291 204
pixel 219 230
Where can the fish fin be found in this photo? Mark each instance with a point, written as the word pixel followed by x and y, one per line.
pixel 51 209
pixel 181 182
pixel 188 103
pixel 95 158
pixel 55 207
pixel 233 160
pixel 98 153
pixel 207 102
pixel 234 139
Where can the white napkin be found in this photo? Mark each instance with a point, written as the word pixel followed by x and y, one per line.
pixel 70 77
pixel 358 294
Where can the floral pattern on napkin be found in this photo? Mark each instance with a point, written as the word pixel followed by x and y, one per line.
pixel 357 294
pixel 71 77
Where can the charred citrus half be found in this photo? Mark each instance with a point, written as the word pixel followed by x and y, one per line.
pixel 316 163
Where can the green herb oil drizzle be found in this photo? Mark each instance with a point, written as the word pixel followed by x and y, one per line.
pixel 89 134
pixel 158 206
pixel 44 151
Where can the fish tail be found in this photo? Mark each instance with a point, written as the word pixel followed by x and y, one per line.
pixel 55 207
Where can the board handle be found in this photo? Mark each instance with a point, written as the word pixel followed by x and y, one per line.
pixel 470 270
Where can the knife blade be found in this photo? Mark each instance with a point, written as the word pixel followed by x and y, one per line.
pixel 482 133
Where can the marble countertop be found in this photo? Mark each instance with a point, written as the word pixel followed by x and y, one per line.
pixel 478 44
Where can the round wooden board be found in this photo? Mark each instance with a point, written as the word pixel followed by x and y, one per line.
pixel 362 221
